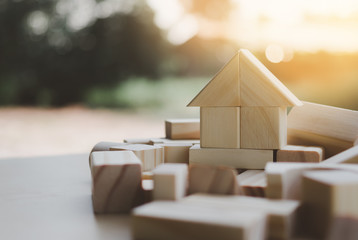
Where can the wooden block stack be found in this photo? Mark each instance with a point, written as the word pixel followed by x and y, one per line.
pixel 242 128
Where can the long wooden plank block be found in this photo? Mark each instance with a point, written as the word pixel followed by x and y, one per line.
pixel 235 158
pixel 182 128
pixel 116 181
pixel 163 220
pixel 212 179
pixel 294 153
pixel 348 156
pixel 314 124
pixel 281 213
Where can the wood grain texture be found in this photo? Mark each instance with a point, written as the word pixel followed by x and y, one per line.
pixel 295 153
pixel 252 183
pixel 259 87
pixel 235 158
pixel 223 89
pixel 170 181
pixel 176 152
pixel 182 129
pixel 151 156
pixel 213 180
pixel 220 127
pixel 163 220
pixel 335 129
pixel 263 127
pixel 116 182
pixel 281 214
pixel 348 156
pixel 328 194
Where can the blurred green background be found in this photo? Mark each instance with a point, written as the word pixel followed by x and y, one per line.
pixel 138 54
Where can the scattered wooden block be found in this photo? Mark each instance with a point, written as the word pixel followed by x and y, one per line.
pixel 150 156
pixel 147 190
pixel 252 183
pixel 155 141
pixel 348 156
pixel 137 141
pixel 176 152
pixel 294 153
pixel 259 87
pixel 212 179
pixel 103 146
pixel 170 181
pixel 182 128
pixel 223 89
pixel 116 181
pixel 235 158
pixel 220 127
pixel 148 175
pixel 328 194
pixel 163 220
pixel 263 127
pixel 281 214
pixel 333 128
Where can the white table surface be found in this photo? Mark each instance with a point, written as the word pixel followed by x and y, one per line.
pixel 50 198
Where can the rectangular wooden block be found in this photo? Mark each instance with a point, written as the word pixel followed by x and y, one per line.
pixel 235 158
pixel 220 127
pixel 176 152
pixel 137 141
pixel 170 181
pixel 328 194
pixel 252 183
pixel 281 214
pixel 295 153
pixel 348 156
pixel 212 179
pixel 163 220
pixel 154 141
pixel 182 128
pixel 116 181
pixel 263 127
pixel 150 156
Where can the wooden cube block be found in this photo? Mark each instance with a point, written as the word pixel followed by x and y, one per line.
pixel 182 128
pixel 263 127
pixel 116 181
pixel 235 158
pixel 150 156
pixel 281 214
pixel 163 220
pixel 212 179
pixel 176 152
pixel 294 153
pixel 170 181
pixel 328 194
pixel 220 127
pixel 252 183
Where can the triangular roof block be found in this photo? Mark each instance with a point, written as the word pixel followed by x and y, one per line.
pixel 259 87
pixel 223 90
pixel 244 81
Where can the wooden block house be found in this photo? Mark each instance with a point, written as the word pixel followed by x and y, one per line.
pixel 244 106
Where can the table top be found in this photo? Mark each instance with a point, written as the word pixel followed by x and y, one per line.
pixel 50 198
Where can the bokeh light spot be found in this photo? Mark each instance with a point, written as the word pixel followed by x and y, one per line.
pixel 274 53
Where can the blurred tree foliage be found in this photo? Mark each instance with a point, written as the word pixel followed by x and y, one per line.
pixel 43 61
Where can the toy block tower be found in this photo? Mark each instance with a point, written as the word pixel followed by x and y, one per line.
pixel 244 106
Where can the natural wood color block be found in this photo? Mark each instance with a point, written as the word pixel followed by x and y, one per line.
pixel 223 89
pixel 213 180
pixel 294 153
pixel 333 128
pixel 147 190
pixel 281 214
pixel 148 175
pixel 116 181
pixel 163 220
pixel 176 152
pixel 103 146
pixel 170 181
pixel 252 183
pixel 348 156
pixel 137 141
pixel 263 127
pixel 235 158
pixel 154 141
pixel 151 156
pixel 328 194
pixel 259 87
pixel 343 228
pixel 220 127
pixel 182 128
